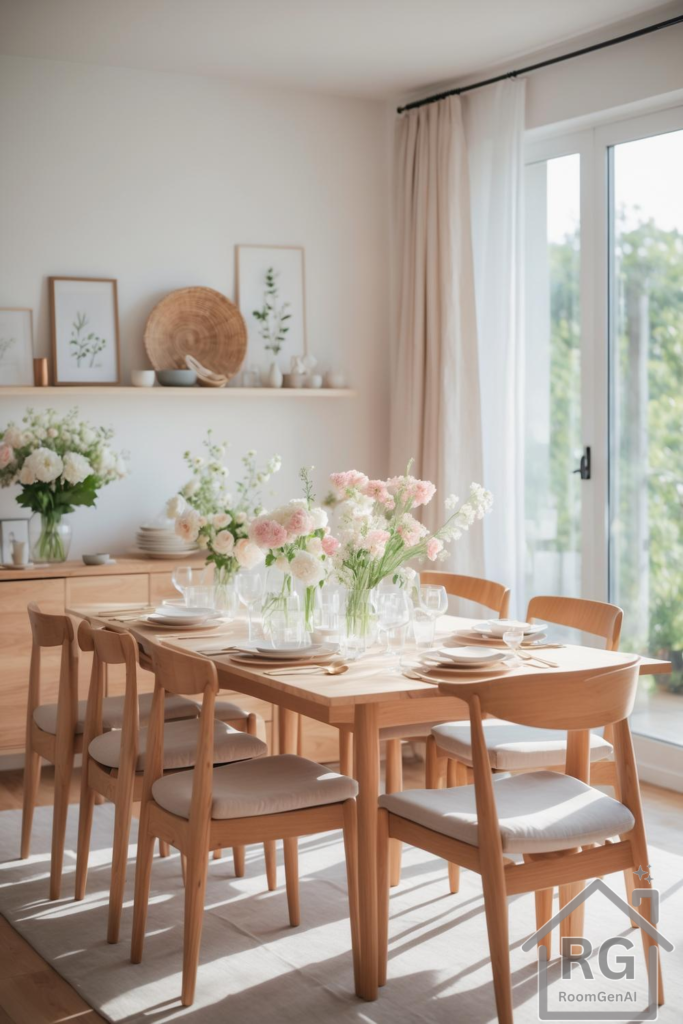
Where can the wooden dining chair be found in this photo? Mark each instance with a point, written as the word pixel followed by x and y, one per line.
pixel 55 731
pixel 205 808
pixel 514 748
pixel 114 761
pixel 553 819
pixel 490 595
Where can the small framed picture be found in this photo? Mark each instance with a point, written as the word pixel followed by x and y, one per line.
pixel 271 294
pixel 14 545
pixel 85 330
pixel 16 347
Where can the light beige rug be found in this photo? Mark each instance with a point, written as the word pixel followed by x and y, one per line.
pixel 254 969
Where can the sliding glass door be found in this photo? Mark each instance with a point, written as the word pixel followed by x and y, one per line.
pixel 604 378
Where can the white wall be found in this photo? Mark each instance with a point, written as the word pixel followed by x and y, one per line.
pixel 152 179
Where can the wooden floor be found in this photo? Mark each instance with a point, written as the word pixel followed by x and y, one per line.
pixel 31 992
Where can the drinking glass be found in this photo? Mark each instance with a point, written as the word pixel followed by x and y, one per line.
pixel 393 614
pixel 184 576
pixel 434 602
pixel 513 638
pixel 249 588
pixel 200 597
pixel 286 628
pixel 424 628
pixel 326 613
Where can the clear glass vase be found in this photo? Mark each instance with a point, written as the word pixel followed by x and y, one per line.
pixel 279 595
pixel 49 537
pixel 225 593
pixel 358 621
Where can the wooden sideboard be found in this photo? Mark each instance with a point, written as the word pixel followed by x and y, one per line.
pixel 57 587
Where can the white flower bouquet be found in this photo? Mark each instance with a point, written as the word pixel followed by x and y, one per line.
pixel 297 542
pixel 207 512
pixel 59 462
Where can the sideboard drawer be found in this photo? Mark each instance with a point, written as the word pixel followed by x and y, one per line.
pixel 161 587
pixel 15 655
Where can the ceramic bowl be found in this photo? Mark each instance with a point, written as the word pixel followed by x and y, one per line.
pixel 177 378
pixel 101 559
pixel 142 378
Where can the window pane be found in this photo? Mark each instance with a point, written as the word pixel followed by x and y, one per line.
pixel 646 464
pixel 552 378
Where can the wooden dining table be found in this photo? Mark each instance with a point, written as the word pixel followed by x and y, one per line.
pixel 373 694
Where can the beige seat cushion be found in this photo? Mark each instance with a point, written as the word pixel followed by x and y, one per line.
pixel 228 712
pixel 269 785
pixel 513 746
pixel 539 812
pixel 180 745
pixel 45 716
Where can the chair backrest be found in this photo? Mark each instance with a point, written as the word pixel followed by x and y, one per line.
pixel 53 630
pixel 571 701
pixel 111 647
pixel 595 617
pixel 185 673
pixel 491 595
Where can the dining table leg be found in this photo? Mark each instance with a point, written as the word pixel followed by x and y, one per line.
pixel 366 749
pixel 578 765
pixel 288 722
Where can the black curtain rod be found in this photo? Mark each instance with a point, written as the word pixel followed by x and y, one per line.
pixel 542 64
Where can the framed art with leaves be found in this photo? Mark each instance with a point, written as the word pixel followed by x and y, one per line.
pixel 85 330
pixel 271 295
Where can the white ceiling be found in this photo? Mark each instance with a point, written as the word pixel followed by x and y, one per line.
pixel 371 48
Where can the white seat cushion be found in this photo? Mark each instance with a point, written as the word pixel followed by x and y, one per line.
pixel 180 745
pixel 45 716
pixel 228 712
pixel 539 812
pixel 269 785
pixel 513 746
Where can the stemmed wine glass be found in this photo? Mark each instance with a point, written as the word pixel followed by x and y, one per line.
pixel 185 576
pixel 249 587
pixel 393 611
pixel 513 638
pixel 433 601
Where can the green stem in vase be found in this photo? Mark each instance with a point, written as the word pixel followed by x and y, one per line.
pixel 50 544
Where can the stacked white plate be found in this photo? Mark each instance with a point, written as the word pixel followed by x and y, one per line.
pixel 159 540
pixel 183 617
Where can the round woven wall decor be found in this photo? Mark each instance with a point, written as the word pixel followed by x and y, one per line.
pixel 199 322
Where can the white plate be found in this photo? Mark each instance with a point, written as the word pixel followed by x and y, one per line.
pixel 433 673
pixel 256 648
pixel 210 624
pixel 468 656
pixel 11 565
pixel 176 620
pixel 176 611
pixel 165 555
pixel 484 629
pixel 254 658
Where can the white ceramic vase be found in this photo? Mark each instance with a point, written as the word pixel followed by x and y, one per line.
pixel 274 377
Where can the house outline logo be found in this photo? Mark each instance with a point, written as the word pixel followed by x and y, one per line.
pixel 597 885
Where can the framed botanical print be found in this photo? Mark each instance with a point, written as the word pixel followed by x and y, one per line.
pixel 16 347
pixel 85 330
pixel 271 294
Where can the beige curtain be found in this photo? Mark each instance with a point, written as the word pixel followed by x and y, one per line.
pixel 435 384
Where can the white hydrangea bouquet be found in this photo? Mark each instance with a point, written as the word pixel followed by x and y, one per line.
pixel 297 543
pixel 59 462
pixel 207 512
pixel 379 535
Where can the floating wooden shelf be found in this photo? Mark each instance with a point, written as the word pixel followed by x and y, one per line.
pixel 214 394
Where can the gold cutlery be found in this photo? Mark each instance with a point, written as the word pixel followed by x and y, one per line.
pixel 540 661
pixel 328 670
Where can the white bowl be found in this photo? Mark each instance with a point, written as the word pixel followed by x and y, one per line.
pixel 500 626
pixel 142 378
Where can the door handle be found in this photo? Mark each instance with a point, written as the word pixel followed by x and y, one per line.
pixel 584 469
